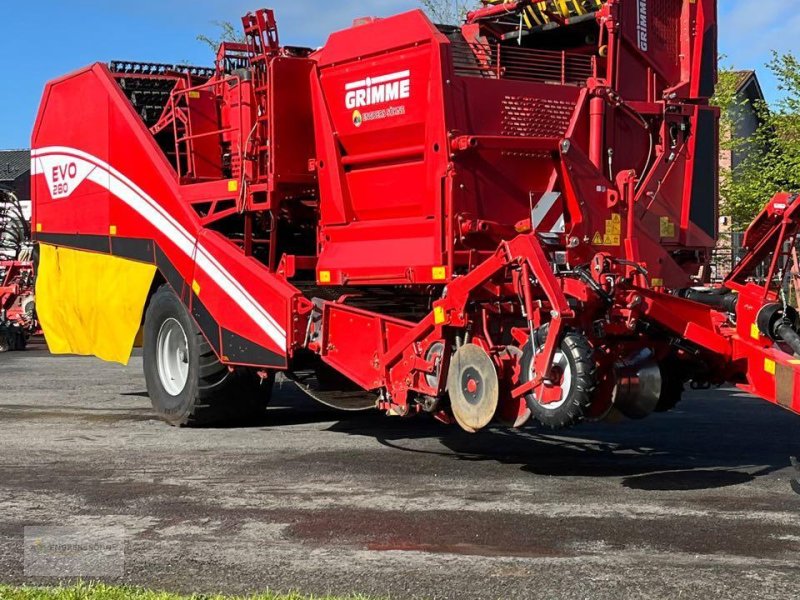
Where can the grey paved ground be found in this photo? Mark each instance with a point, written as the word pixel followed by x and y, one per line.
pixel 694 504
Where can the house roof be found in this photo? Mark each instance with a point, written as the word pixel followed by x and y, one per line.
pixel 745 79
pixel 14 163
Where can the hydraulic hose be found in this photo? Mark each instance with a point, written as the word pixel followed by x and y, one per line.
pixel 722 299
pixel 785 332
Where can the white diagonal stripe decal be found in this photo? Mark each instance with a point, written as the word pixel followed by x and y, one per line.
pixel 559 227
pixel 127 191
pixel 542 208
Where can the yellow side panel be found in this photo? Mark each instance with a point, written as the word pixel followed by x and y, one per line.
pixel 91 304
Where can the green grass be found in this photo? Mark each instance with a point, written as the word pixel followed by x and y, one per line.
pixel 99 591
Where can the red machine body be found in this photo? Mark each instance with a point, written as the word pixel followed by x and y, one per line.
pixel 509 218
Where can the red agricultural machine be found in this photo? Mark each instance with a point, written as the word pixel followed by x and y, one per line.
pixel 17 302
pixel 508 219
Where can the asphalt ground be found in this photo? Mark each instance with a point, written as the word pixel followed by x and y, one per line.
pixel 696 503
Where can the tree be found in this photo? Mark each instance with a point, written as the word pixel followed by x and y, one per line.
pixel 771 156
pixel 448 12
pixel 228 32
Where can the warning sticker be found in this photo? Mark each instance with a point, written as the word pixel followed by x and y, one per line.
pixel 667 228
pixel 613 232
pixel 614 225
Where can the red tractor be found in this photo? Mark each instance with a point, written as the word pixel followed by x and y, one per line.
pixel 17 303
pixel 513 218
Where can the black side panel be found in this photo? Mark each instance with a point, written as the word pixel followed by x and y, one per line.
pixel 704 178
pixel 237 349
pixel 206 323
pixel 133 249
pixel 170 273
pixel 92 243
pixel 708 66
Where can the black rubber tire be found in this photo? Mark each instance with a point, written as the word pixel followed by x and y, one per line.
pixel 580 356
pixel 672 387
pixel 213 394
pixel 12 339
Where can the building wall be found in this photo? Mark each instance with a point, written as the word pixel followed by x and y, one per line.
pixel 746 121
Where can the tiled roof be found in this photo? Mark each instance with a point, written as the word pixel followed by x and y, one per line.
pixel 14 163
pixel 743 79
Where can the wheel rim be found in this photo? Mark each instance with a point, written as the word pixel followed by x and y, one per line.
pixel 172 352
pixel 561 365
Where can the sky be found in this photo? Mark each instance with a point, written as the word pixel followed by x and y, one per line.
pixel 43 39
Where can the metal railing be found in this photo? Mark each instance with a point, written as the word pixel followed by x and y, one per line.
pixel 729 252
pixel 179 118
pixel 498 61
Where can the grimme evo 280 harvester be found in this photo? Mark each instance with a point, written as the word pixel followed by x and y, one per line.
pixel 504 220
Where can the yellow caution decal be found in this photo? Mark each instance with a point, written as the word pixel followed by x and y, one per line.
pixel 613 232
pixel 91 304
pixel 666 227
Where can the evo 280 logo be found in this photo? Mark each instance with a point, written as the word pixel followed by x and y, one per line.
pixel 642 33
pixel 377 90
pixel 64 174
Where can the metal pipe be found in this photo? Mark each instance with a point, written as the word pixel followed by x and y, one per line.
pixel 495 10
pixel 597 114
pixel 525 282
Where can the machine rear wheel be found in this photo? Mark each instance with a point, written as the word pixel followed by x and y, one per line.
pixel 565 399
pixel 186 383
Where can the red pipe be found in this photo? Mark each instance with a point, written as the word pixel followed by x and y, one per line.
pixel 597 116
pixel 495 10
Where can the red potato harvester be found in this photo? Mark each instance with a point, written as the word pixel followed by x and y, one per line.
pixel 509 219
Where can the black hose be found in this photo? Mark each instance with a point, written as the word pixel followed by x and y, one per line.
pixel 593 284
pixel 724 301
pixel 785 332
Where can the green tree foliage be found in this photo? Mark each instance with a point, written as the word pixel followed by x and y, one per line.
pixel 771 156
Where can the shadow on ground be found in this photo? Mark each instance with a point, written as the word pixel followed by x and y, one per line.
pixel 712 440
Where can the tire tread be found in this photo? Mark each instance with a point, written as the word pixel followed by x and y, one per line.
pixel 219 395
pixel 575 409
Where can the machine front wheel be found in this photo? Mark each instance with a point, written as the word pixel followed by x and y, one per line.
pixel 187 384
pixel 565 398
